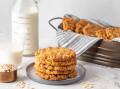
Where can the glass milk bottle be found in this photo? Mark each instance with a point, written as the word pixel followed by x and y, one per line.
pixel 25 26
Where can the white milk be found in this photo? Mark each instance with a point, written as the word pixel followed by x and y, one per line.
pixel 10 55
pixel 25 26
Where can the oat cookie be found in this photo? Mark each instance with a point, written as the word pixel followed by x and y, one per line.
pixel 102 34
pixel 57 76
pixel 47 71
pixel 67 63
pixel 80 25
pixel 112 32
pixel 90 29
pixel 57 68
pixel 57 54
pixel 69 24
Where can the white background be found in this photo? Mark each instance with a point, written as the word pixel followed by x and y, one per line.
pixel 107 10
pixel 5 25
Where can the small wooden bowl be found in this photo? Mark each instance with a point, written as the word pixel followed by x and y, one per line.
pixel 7 77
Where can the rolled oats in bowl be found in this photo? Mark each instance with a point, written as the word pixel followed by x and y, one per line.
pixel 8 73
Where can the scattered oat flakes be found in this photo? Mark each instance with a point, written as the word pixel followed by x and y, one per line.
pixel 24 85
pixel 21 84
pixel 87 85
pixel 7 68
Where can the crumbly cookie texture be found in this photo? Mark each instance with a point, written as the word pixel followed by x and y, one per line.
pixel 90 29
pixel 101 33
pixel 69 24
pixel 56 68
pixel 86 27
pixel 55 63
pixel 52 63
pixel 80 25
pixel 47 71
pixel 108 33
pixel 112 32
pixel 56 76
pixel 55 54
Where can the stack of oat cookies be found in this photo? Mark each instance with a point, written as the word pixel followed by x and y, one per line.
pixel 55 63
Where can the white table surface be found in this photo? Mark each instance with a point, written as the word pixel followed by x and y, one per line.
pixel 99 77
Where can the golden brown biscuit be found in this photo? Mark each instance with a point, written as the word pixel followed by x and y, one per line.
pixel 112 32
pixel 80 25
pixel 47 71
pixel 90 29
pixel 54 72
pixel 102 34
pixel 55 59
pixel 67 63
pixel 56 68
pixel 56 54
pixel 79 29
pixel 57 76
pixel 69 24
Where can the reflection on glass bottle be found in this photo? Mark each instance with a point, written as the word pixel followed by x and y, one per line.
pixel 25 26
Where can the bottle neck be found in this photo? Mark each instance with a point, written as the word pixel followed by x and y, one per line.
pixel 27 2
pixel 25 7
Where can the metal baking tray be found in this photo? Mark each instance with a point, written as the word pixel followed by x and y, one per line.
pixel 104 52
